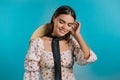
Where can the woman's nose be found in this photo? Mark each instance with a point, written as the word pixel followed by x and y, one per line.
pixel 65 26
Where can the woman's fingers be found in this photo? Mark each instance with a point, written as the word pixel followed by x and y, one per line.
pixel 76 25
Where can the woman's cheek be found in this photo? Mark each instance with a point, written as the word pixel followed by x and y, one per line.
pixel 69 29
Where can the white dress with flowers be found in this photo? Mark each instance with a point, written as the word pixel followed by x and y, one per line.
pixel 39 64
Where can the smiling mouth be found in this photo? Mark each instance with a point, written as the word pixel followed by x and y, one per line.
pixel 61 31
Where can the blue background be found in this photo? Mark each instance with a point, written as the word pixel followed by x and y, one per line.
pixel 100 29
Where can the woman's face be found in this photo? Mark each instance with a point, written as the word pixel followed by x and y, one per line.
pixel 62 25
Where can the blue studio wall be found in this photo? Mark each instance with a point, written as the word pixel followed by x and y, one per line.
pixel 100 28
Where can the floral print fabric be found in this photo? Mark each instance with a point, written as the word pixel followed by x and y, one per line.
pixel 39 64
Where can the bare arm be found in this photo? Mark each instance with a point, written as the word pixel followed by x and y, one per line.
pixel 75 32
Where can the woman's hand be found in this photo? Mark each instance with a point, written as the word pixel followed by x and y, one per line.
pixel 75 29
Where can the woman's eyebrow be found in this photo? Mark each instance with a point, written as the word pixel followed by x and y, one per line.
pixel 61 19
pixel 65 21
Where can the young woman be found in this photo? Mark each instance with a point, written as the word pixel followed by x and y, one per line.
pixel 55 46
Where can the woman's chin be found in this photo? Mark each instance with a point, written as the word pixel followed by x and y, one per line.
pixel 60 34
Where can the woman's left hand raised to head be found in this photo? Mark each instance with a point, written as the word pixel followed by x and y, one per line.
pixel 75 29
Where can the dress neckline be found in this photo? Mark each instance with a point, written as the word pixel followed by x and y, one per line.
pixel 42 42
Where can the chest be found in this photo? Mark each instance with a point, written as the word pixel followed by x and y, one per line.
pixel 47 60
pixel 63 46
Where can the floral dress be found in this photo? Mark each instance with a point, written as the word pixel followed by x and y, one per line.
pixel 39 64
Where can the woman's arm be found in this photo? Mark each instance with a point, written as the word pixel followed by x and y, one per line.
pixel 83 45
pixel 31 63
pixel 76 33
pixel 83 54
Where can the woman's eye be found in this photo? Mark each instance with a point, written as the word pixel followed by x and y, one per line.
pixel 70 25
pixel 61 22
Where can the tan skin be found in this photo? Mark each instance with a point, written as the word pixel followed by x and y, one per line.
pixel 62 25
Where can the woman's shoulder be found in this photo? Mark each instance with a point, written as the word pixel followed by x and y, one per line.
pixel 37 40
pixel 41 39
pixel 72 41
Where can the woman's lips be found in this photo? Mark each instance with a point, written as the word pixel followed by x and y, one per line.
pixel 61 31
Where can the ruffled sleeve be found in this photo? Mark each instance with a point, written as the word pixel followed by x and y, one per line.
pixel 79 55
pixel 32 60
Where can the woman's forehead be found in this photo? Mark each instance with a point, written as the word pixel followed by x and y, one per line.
pixel 66 17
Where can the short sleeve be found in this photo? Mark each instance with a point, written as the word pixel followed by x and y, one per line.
pixel 79 55
pixel 32 60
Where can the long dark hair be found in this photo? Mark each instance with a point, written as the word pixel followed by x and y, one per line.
pixel 61 10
